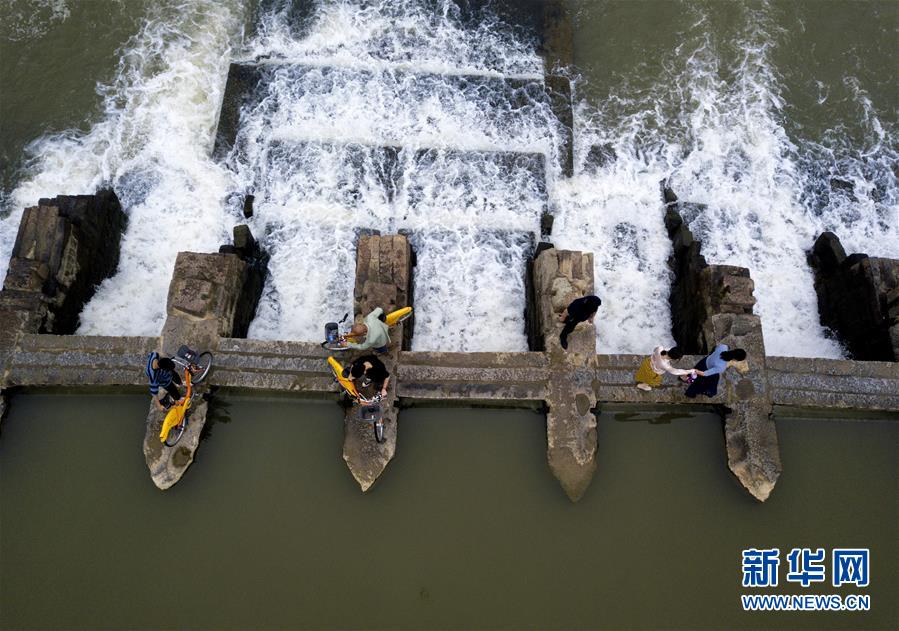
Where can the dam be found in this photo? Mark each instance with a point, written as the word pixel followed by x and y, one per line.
pixel 66 246
pixel 232 174
pixel 213 296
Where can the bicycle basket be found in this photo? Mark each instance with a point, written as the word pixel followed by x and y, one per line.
pixel 370 413
pixel 188 354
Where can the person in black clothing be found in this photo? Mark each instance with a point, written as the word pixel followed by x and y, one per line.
pixel 370 368
pixel 580 310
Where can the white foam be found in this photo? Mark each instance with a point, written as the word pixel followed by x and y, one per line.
pixel 152 145
pixel 314 151
pixel 716 127
pixel 28 19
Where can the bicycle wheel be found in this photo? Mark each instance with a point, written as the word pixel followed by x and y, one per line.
pixel 176 433
pixel 335 346
pixel 203 366
pixel 379 430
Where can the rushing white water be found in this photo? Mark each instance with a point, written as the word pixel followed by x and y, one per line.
pixel 399 115
pixel 716 129
pixel 152 146
pixel 357 130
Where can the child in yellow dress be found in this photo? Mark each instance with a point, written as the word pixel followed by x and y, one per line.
pixel 649 375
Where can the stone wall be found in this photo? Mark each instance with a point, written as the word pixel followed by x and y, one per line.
pixel 711 305
pixel 858 298
pixel 384 278
pixel 708 302
pixel 211 296
pixel 254 275
pixel 687 265
pixel 560 276
pixel 64 248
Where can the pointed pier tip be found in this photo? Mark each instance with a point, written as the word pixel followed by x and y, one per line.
pixel 168 464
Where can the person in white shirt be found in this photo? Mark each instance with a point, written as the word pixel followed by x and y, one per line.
pixel 649 375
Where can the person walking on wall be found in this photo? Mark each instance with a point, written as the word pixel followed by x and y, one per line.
pixel 580 310
pixel 649 375
pixel 711 367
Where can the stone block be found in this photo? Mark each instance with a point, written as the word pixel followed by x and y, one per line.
pixel 26 275
pixel 854 297
pixel 753 454
pixel 244 241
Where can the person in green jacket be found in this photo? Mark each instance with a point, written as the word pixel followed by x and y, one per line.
pixel 374 330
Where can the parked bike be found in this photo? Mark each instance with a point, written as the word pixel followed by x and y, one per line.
pixel 337 335
pixel 369 409
pixel 196 367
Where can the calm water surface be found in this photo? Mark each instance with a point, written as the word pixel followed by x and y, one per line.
pixel 466 529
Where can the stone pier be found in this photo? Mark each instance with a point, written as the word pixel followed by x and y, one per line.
pixel 65 247
pixel 211 296
pixel 858 298
pixel 560 276
pixel 711 305
pixel 383 279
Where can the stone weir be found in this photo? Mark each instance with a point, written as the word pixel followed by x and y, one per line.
pixel 858 298
pixel 211 296
pixel 212 299
pixel 711 305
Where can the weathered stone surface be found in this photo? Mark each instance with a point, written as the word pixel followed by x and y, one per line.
pixel 753 454
pixel 208 299
pixel 383 279
pixel 558 39
pixel 600 156
pixel 272 366
pixel 64 248
pixel 571 430
pixel 168 464
pixel 688 266
pixel 711 305
pixel 856 298
pixel 559 276
pixel 482 379
pixel 834 384
pixel 74 360
pixel 248 206
pixel 243 81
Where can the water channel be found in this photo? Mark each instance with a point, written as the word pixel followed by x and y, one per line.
pixel 466 529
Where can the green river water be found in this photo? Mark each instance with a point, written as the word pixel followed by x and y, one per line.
pixel 467 528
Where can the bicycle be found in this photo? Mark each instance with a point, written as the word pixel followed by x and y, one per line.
pixel 369 409
pixel 199 364
pixel 337 340
pixel 196 367
pixel 176 418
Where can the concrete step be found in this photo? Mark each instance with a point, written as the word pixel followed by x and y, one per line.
pixel 99 343
pixel 500 102
pixel 417 176
pixel 75 376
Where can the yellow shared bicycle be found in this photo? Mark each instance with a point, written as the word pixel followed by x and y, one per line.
pixel 369 409
pixel 337 339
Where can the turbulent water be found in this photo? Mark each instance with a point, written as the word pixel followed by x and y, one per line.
pixel 410 115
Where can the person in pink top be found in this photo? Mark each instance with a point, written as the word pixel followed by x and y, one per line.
pixel 649 375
